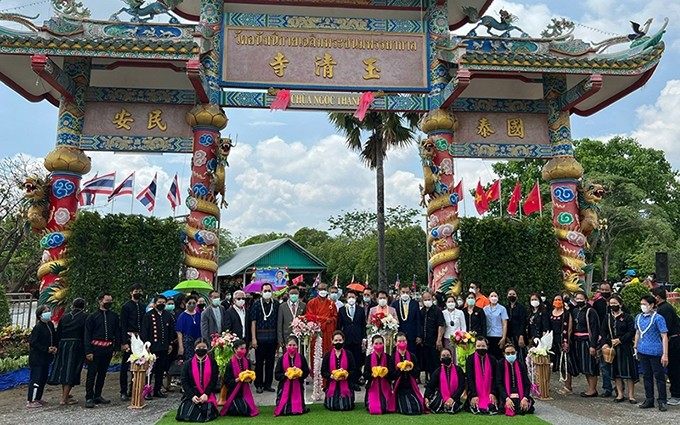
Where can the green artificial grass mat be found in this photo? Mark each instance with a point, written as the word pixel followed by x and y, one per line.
pixel 319 415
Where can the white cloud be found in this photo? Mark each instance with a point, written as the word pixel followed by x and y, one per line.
pixel 658 127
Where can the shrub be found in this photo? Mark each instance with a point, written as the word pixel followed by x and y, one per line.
pixel 631 295
pixel 5 318
pixel 13 342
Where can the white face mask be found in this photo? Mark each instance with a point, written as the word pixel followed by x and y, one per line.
pixel 405 297
pixel 267 295
pixel 472 291
pixel 542 299
pixel 535 303
pixel 427 303
pixel 451 306
pixel 644 308
pixel 240 303
pixel 493 300
pixel 323 293
pixel 351 301
pixel 460 303
pixel 382 302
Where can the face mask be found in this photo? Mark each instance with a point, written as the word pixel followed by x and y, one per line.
pixel 543 299
pixel 470 301
pixel 191 307
pixel 615 308
pixel 338 345
pixel 367 299
pixel 240 303
pixel 201 305
pixel 405 297
pixel 481 351
pixel 493 300
pixel 402 345
pixel 107 305
pixel 323 293
pixel 512 298
pixel 137 296
pixel 580 303
pixel 606 295
pixel 427 304
pixel 472 290
pixel 382 302
pixel 201 352
pixel 351 301
pixel 46 316
pixel 558 304
pixel 160 307
pixel 169 307
pixel 335 296
pixel 291 350
pixel 644 309
pixel 267 295
pixel 378 348
pixel 459 303
pixel 215 301
pixel 511 357
pixel 535 303
pixel 293 298
pixel 241 352
pixel 446 361
pixel 451 306
pixel 228 297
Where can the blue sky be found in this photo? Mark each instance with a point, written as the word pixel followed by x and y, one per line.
pixel 290 169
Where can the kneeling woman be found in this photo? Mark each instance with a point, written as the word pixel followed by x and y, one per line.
pixel 378 366
pixel 481 370
pixel 237 378
pixel 291 371
pixel 336 367
pixel 199 381
pixel 408 399
pixel 513 384
pixel 446 386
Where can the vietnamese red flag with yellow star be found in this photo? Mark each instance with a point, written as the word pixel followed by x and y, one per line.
pixel 481 202
pixel 494 192
pixel 515 199
pixel 533 201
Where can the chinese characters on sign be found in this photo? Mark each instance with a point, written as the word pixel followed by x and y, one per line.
pixel 484 128
pixel 279 64
pixel 372 71
pixel 123 118
pixel 515 127
pixel 324 66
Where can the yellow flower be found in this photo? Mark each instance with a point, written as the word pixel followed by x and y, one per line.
pixel 379 371
pixel 472 339
pixel 406 365
pixel 340 374
pixel 293 373
pixel 246 376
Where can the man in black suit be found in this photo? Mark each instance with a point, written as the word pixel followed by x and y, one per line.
pixel 410 322
pixel 158 328
pixel 352 322
pixel 238 318
pixel 368 303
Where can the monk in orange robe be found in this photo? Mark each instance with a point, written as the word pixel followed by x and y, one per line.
pixel 322 310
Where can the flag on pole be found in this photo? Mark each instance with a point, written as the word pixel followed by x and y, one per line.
pixel 173 194
pixel 481 202
pixel 397 283
pixel 458 190
pixel 494 192
pixel 298 279
pixel 125 188
pixel 366 282
pixel 317 280
pixel 414 284
pixel 102 185
pixel 86 197
pixel 515 199
pixel 533 201
pixel 148 196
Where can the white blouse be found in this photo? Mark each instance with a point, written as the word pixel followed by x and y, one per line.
pixel 457 318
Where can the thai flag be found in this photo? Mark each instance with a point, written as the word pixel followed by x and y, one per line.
pixel 102 185
pixel 397 283
pixel 317 280
pixel 148 196
pixel 173 194
pixel 125 188
pixel 86 197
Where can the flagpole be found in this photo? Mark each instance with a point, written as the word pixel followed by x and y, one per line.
pixel 132 195
pixel 464 203
pixel 113 200
pixel 500 197
pixel 540 200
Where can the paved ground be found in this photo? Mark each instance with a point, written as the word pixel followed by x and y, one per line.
pixel 564 410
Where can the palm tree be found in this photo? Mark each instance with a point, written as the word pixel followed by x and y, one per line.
pixel 387 130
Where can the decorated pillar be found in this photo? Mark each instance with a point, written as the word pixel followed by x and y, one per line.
pixel 437 20
pixel 203 222
pixel 563 173
pixel 67 164
pixel 440 198
pixel 212 13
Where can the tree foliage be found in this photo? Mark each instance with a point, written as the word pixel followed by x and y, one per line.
pixel 5 318
pixel 502 254
pixel 115 251
pixel 264 237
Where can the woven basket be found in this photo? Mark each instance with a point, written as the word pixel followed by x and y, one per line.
pixel 608 353
pixel 541 360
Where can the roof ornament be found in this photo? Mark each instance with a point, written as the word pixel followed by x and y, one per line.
pixel 141 13
pixel 505 24
pixel 20 19
pixel 639 33
pixel 70 9
pixel 559 29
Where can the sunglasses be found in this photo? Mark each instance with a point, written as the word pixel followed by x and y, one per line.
pixel 239 298
pixel 191 303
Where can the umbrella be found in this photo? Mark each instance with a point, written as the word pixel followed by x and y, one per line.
pixel 170 293
pixel 254 286
pixel 356 287
pixel 193 285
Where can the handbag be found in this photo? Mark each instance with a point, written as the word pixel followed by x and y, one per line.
pixel 609 353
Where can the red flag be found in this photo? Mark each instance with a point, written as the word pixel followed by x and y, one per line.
pixel 533 201
pixel 298 279
pixel 494 192
pixel 515 199
pixel 481 202
pixel 458 190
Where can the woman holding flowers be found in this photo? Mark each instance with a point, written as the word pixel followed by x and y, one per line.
pixel 291 371
pixel 238 375
pixel 446 386
pixel 408 399
pixel 336 367
pixel 379 397
pixel 200 381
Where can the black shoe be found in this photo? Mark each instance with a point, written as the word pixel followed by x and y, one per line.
pixel 606 394
pixel 259 390
pixel 619 400
pixel 89 404
pixel 662 407
pixel 159 395
pixel 586 395
pixel 270 390
pixel 124 397
pixel 148 397
pixel 646 405
pixel 101 400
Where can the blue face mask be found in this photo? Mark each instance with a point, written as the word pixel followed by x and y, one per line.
pixel 511 358
pixel 46 316
pixel 169 307
pixel 335 296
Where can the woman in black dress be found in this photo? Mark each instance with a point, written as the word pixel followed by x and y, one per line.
pixel 291 371
pixel 618 331
pixel 560 324
pixel 446 386
pixel 584 342
pixel 240 401
pixel 200 381
pixel 378 367
pixel 337 368
pixel 538 322
pixel 407 395
pixel 475 319
pixel 69 362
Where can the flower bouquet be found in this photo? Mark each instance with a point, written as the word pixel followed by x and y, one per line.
pixel 340 374
pixel 465 345
pixel 246 376
pixel 384 325
pixel 379 371
pixel 405 366
pixel 307 330
pixel 293 373
pixel 223 349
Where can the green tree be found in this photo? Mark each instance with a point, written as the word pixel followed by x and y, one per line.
pixel 387 130
pixel 264 237
pixel 308 237
pixel 227 244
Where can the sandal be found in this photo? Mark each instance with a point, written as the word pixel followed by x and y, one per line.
pixel 565 391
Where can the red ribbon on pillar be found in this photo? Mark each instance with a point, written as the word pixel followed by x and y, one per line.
pixel 281 101
pixel 364 104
